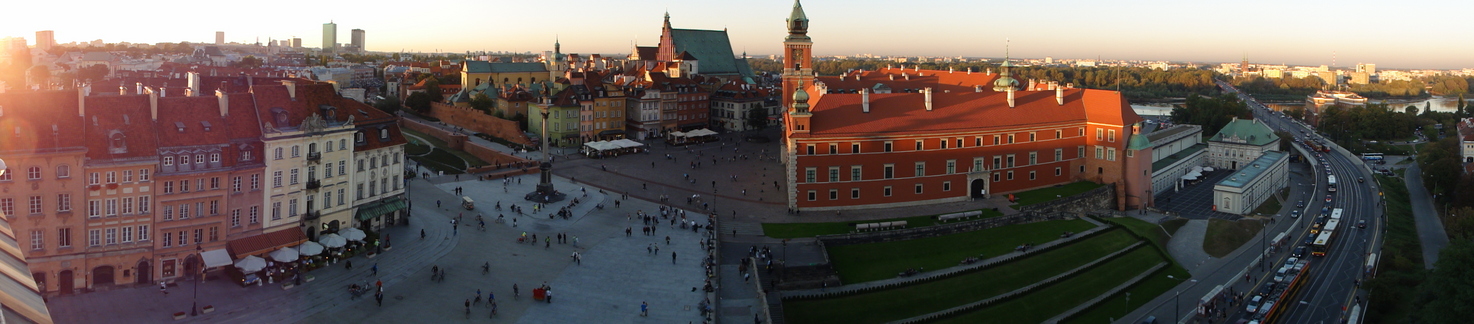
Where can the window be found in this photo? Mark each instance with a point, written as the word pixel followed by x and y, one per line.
pixel 1099 152
pixel 809 175
pixel 35 205
pixel 809 150
pixel 342 144
pixel 214 233
pixel 276 210
pixel 946 186
pixel 168 239
pixel 1031 136
pixel 127 234
pixel 360 162
pixel 327 199
pixel 294 176
pixel 292 207
pixel 833 194
pixel 142 174
pixel 112 236
pixel 94 208
pixel 328 146
pixel 1112 136
pixel 327 171
pixel 1031 175
pixel 977 141
pixel 199 158
pixel 183 238
pixel 112 207
pixel 890 171
pixel 184 211
pixel 199 235
pixel 854 148
pixel 255 182
pixel 342 167
pixel 997 177
pixel 360 191
pixel 918 188
pixel 1130 153
pixel 1010 138
pixel 951 166
pixel 33 173
pixel 184 186
pixel 854 173
pixel 5 176
pixel 833 174
pixel 214 207
pixel 813 195
pixel 1010 175
pixel 1111 154
pixel 215 183
pixel 942 143
pixel 63 171
pixel 235 218
pixel 235 184
pixel 277 154
pixel 373 163
pixel 92 178
pixel 1081 153
pixel 886 191
pixel 296 151
pixel 127 175
pixel 64 202
pixel 276 179
pixel 997 162
pixel 854 193
pixel 918 145
pixel 1099 134
pixel 37 241
pixel 1010 160
pixel 94 237
pixel 997 139
pixel 255 215
pixel 833 149
pixel 245 155
pixel 888 146
pixel 342 196
pixel 977 164
pixel 112 177
pixel 64 237
pixel 143 233
pixel 1059 134
pixel 127 206
pixel 920 169
pixel 1059 155
pixel 1081 131
pixel 214 157
pixel 1058 171
pixel 1033 158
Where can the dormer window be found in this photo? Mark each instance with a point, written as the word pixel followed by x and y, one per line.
pixel 206 125
pixel 116 144
pixel 384 133
pixel 179 126
pixel 358 137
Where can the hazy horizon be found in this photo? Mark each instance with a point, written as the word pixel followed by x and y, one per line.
pixel 1267 32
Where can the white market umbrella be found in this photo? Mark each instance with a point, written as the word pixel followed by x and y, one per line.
pixel 352 234
pixel 251 263
pixel 1208 169
pixel 285 254
pixel 309 248
pixel 332 241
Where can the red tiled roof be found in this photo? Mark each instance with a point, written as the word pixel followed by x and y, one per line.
pixel 841 114
pixel 27 120
pixel 130 116
pixel 193 113
pixel 263 243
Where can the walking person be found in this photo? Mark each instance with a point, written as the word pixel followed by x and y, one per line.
pixel 349 264
pixel 164 288
pixel 375 269
pixel 672 257
pixel 644 309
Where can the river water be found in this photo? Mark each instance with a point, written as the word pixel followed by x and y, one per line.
pixel 1438 104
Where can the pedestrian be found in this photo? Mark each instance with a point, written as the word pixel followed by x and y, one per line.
pixel 547 242
pixel 437 203
pixel 164 288
pixel 575 241
pixel 548 294
pixel 468 306
pixel 422 233
pixel 667 240
pixel 375 269
pixel 644 309
pixel 515 293
pixel 672 257
pixel 349 264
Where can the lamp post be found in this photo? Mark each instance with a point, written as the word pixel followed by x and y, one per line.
pixel 200 271
pixel 1176 299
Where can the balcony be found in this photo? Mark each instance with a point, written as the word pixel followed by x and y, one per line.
pixel 313 184
pixel 311 215
pixel 314 157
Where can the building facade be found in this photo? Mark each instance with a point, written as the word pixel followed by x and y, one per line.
pixel 45 190
pixel 378 177
pixel 1175 151
pixel 1250 186
pixel 939 136
pixel 1240 142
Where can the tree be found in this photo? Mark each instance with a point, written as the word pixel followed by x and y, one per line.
pixel 432 88
pixel 757 118
pixel 1210 112
pixel 419 101
pixel 480 101
pixel 250 62
pixel 1446 295
pixel 389 105
pixel 94 72
pixel 1286 140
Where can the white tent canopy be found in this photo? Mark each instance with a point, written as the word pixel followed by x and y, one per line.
pixel 216 258
pixel 352 234
pixel 285 254
pixel 310 248
pixel 601 145
pixel 700 132
pixel 626 143
pixel 332 241
pixel 251 264
pixel 1208 169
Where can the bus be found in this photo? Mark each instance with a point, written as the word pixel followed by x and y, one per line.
pixel 1372 156
pixel 1323 242
pixel 1336 213
pixel 1331 184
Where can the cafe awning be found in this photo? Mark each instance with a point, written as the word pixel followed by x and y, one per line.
pixel 385 206
pixel 263 243
pixel 216 258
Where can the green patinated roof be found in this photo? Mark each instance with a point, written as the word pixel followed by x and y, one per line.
pixel 1246 130
pixel 712 48
pixel 1138 142
pixel 489 67
pixel 1247 174
pixel 1169 160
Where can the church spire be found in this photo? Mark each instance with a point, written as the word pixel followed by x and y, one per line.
pixel 667 19
pixel 1005 82
pixel 798 23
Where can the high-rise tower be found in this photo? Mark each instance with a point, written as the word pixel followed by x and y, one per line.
pixel 329 36
pixel 356 37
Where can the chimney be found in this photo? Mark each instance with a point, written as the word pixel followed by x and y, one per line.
pixel 122 90
pixel 82 100
pixel 224 102
pixel 950 70
pixel 1059 95
pixel 291 88
pixel 865 100
pixel 153 103
pixel 969 70
pixel 927 91
pixel 977 88
pixel 892 76
pixel 139 88
pixel 163 91
pixel 1010 97
pixel 907 76
pixel 194 84
pixel 990 71
pixel 1032 83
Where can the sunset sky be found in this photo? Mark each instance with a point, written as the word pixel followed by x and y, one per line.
pixel 1392 34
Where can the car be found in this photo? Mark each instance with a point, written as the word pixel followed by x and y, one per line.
pixel 1328 198
pixel 1300 204
pixel 1254 304
pixel 1267 290
pixel 1361 179
pixel 1299 252
pixel 1294 214
pixel 1264 309
pixel 1361 224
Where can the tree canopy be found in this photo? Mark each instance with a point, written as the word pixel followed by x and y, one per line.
pixel 1368 122
pixel 1210 112
pixel 419 101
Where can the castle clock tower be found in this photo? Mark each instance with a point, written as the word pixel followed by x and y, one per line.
pixel 798 72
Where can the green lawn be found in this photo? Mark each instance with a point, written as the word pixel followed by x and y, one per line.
pixel 793 230
pixel 1144 291
pixel 1173 225
pixel 470 159
pixel 1272 205
pixel 1225 236
pixel 913 300
pixel 431 152
pixel 874 261
pixel 1041 304
pixel 1051 193
pixel 1151 232
pixel 414 147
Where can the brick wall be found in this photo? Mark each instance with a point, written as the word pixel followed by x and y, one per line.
pixel 477 122
pixel 452 141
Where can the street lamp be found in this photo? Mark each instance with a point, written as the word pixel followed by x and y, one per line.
pixel 1176 299
pixel 199 271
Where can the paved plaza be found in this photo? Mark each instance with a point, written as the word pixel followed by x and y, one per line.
pixel 617 272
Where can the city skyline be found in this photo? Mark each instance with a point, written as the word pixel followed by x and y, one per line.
pixel 1060 29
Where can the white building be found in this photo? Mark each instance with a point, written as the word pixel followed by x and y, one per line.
pixel 1466 139
pixel 1259 179
pixel 306 138
pixel 1175 151
pixel 1240 142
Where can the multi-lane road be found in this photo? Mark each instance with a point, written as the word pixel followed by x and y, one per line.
pixel 1329 292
